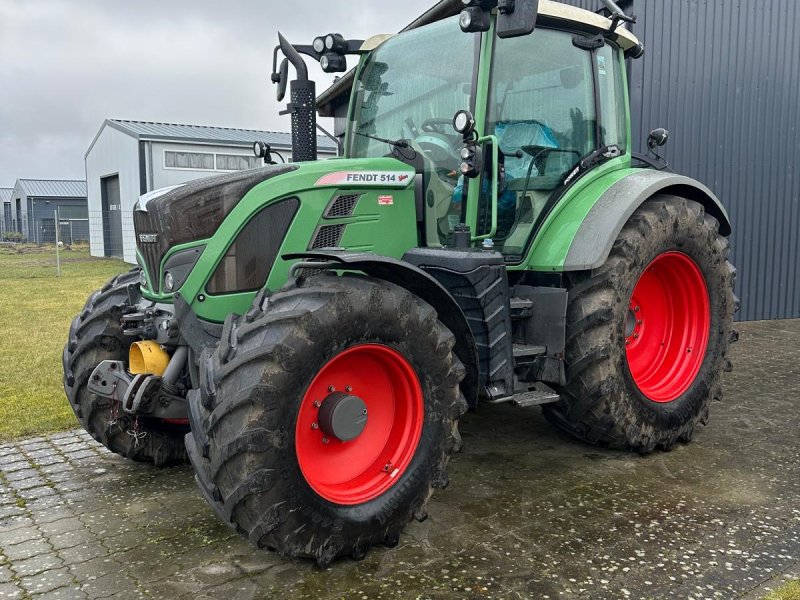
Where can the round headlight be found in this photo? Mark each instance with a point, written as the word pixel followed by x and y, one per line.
pixel 463 122
pixel 330 41
pixel 319 45
pixel 324 62
pixel 169 281
pixel 142 278
pixel 465 19
pixel 466 153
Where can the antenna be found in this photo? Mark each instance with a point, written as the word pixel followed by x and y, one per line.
pixel 617 15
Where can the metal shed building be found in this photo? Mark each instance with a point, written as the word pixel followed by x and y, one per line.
pixel 33 207
pixel 724 79
pixel 5 206
pixel 129 158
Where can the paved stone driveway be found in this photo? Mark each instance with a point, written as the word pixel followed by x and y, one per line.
pixel 530 513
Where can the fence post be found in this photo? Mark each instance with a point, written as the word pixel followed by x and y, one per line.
pixel 58 251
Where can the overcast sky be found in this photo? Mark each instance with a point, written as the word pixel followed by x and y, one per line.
pixel 66 65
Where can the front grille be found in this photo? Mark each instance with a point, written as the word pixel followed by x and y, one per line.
pixel 328 236
pixel 144 223
pixel 342 206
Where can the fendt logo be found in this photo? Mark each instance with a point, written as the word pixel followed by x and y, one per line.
pixel 148 238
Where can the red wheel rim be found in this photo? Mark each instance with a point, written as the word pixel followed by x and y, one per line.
pixel 361 469
pixel 667 330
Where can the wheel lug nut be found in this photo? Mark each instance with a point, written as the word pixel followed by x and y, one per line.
pixel 636 309
pixel 348 388
pixel 325 440
pixel 314 426
pixel 639 322
pixel 635 336
pixel 317 403
pixel 331 388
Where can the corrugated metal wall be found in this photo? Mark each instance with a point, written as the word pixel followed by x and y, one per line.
pixel 724 77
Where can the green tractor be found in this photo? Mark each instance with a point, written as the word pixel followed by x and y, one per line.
pixel 308 334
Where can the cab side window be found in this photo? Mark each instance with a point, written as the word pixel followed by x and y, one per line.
pixel 610 74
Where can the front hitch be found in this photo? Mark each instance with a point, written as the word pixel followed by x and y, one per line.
pixel 142 395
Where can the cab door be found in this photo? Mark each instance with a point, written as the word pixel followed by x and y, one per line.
pixel 550 103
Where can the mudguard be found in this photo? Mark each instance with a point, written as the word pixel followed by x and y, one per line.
pixel 419 283
pixel 594 238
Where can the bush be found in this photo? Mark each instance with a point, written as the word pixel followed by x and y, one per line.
pixel 13 236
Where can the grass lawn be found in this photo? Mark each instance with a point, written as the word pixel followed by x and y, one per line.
pixel 790 591
pixel 36 308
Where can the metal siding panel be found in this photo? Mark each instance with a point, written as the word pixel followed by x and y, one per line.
pixel 710 75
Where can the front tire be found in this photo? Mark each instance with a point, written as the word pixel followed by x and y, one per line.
pixel 94 336
pixel 264 456
pixel 648 332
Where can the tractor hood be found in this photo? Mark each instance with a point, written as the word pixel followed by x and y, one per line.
pixel 192 211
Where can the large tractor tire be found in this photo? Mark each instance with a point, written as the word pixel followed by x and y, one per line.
pixel 94 336
pixel 326 416
pixel 648 332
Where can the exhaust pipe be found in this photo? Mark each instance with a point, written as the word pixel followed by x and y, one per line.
pixel 302 107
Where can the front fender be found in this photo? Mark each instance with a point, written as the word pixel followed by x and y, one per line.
pixel 419 283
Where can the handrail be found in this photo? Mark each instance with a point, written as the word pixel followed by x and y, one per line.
pixel 495 184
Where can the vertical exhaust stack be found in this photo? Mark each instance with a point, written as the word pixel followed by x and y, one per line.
pixel 302 105
pixel 304 120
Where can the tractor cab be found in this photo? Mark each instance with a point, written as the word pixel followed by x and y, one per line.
pixel 534 107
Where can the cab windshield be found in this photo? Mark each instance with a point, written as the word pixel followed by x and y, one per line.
pixel 409 89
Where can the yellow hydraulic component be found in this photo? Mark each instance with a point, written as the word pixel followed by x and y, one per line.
pixel 147 357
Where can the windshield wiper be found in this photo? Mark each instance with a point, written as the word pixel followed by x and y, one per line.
pixel 395 143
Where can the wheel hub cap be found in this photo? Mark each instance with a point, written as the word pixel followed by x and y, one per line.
pixel 343 416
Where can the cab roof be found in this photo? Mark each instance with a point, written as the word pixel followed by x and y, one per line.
pixel 550 13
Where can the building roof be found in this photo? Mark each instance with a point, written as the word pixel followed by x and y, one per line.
pixel 53 188
pixel 224 136
pixel 5 194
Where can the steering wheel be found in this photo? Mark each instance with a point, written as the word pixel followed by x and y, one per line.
pixel 438 147
pixel 437 125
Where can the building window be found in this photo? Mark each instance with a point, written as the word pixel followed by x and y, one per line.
pixel 188 160
pixel 237 162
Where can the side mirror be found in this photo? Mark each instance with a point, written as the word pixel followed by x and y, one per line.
pixel 516 18
pixel 281 78
pixel 657 138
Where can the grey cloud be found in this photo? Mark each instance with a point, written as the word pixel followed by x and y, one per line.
pixel 65 65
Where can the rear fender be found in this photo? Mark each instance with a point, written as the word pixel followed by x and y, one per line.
pixel 592 242
pixel 419 283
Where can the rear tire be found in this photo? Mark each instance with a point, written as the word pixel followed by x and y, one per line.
pixel 94 336
pixel 616 395
pixel 254 445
